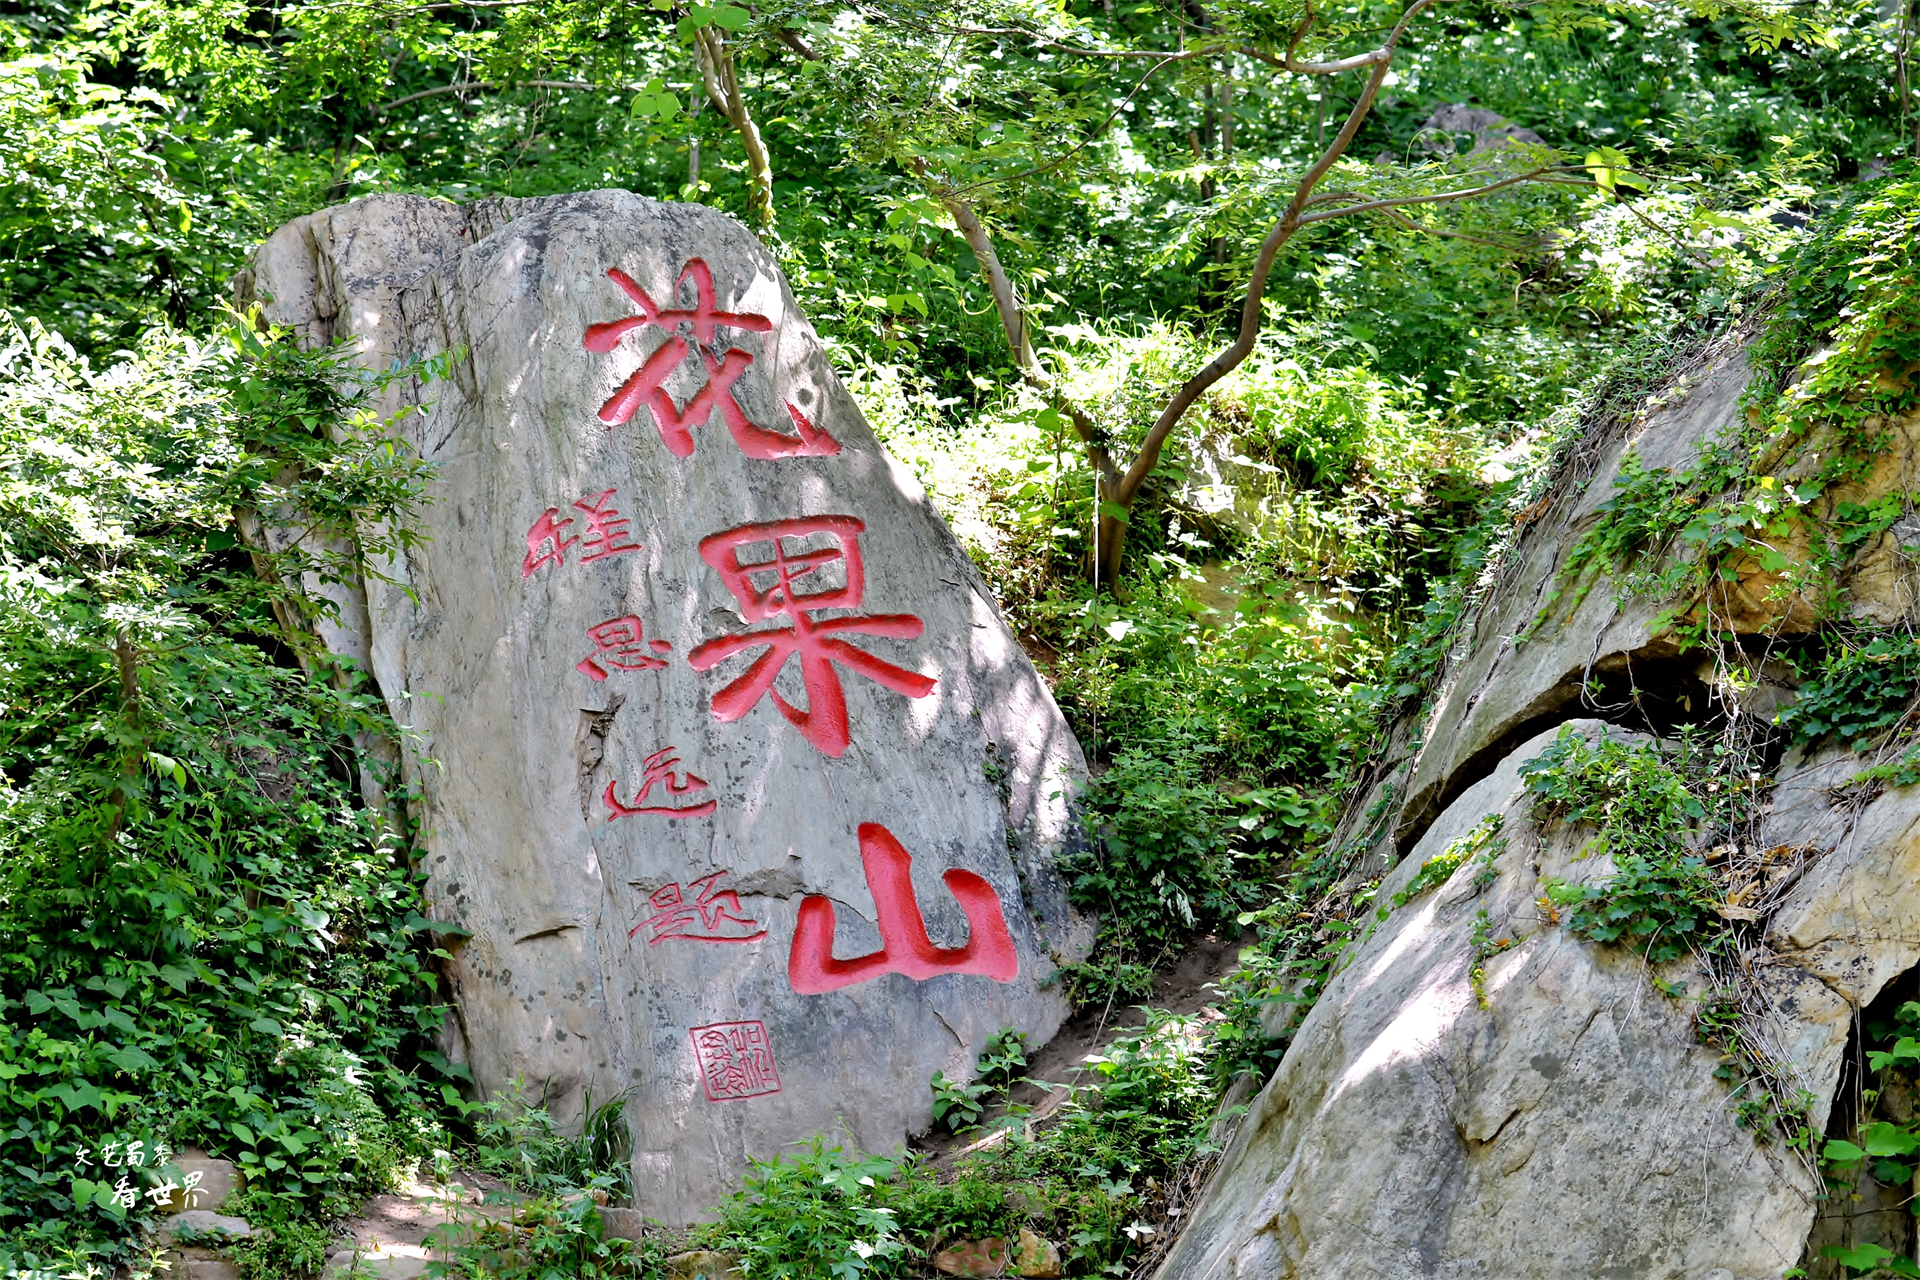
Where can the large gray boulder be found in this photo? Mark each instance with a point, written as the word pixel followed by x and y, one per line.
pixel 1569 1125
pixel 724 755
pixel 1575 1122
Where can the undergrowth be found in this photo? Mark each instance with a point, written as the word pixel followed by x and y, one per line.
pixel 206 935
pixel 1087 1176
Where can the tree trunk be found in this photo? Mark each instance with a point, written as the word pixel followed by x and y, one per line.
pixel 722 81
pixel 128 665
pixel 1013 321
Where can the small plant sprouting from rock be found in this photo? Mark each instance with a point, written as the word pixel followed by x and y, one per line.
pixel 1661 898
pixel 1484 947
pixel 959 1105
pixel 1482 845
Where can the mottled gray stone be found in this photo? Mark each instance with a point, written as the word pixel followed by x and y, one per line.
pixel 563 984
pixel 218 1180
pixel 203 1223
pixel 1573 1127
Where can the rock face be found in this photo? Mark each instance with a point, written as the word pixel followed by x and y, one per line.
pixel 725 758
pixel 1573 1126
pixel 1570 1122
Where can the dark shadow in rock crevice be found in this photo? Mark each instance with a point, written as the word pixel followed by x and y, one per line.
pixel 1655 693
pixel 1865 1211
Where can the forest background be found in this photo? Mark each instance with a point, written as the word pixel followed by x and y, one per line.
pixel 1023 229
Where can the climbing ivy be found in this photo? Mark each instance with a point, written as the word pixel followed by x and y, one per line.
pixel 1833 369
pixel 1660 899
pixel 1857 692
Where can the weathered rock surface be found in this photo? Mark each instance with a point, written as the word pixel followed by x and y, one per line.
pixel 766 882
pixel 1571 1127
pixel 1545 637
pixel 1035 1256
pixel 205 1183
pixel 384 1262
pixel 697 1264
pixel 1572 1124
pixel 205 1224
pixel 975 1259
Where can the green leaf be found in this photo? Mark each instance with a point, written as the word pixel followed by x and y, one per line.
pixel 1885 1139
pixel 133 1059
pixel 1840 1151
pixel 1860 1257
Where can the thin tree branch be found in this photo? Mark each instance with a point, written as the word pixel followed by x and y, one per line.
pixel 1283 230
pixel 791 38
pixel 488 86
pixel 478 86
pixel 1447 197
pixel 1402 220
pixel 1013 321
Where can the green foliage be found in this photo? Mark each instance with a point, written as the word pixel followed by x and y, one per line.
pixel 958 1104
pixel 559 1234
pixel 1858 692
pixel 1768 1098
pixel 818 1214
pixel 520 1143
pixel 1165 865
pixel 205 936
pixel 1660 899
pixel 1884 1147
pixel 1081 1179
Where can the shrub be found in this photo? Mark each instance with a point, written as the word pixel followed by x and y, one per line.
pixel 1660 899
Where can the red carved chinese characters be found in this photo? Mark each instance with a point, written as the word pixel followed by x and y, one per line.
pixel 607 534
pixel 904 945
pixel 714 914
pixel 647 385
pixel 735 1060
pixel 621 643
pixel 659 770
pixel 800 589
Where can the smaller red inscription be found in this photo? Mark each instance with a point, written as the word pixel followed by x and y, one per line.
pixel 607 530
pixel 713 915
pixel 547 542
pixel 735 1060
pixel 608 533
pixel 622 644
pixel 659 769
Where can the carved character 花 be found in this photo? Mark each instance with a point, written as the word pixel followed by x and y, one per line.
pixel 647 384
pixel 799 589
